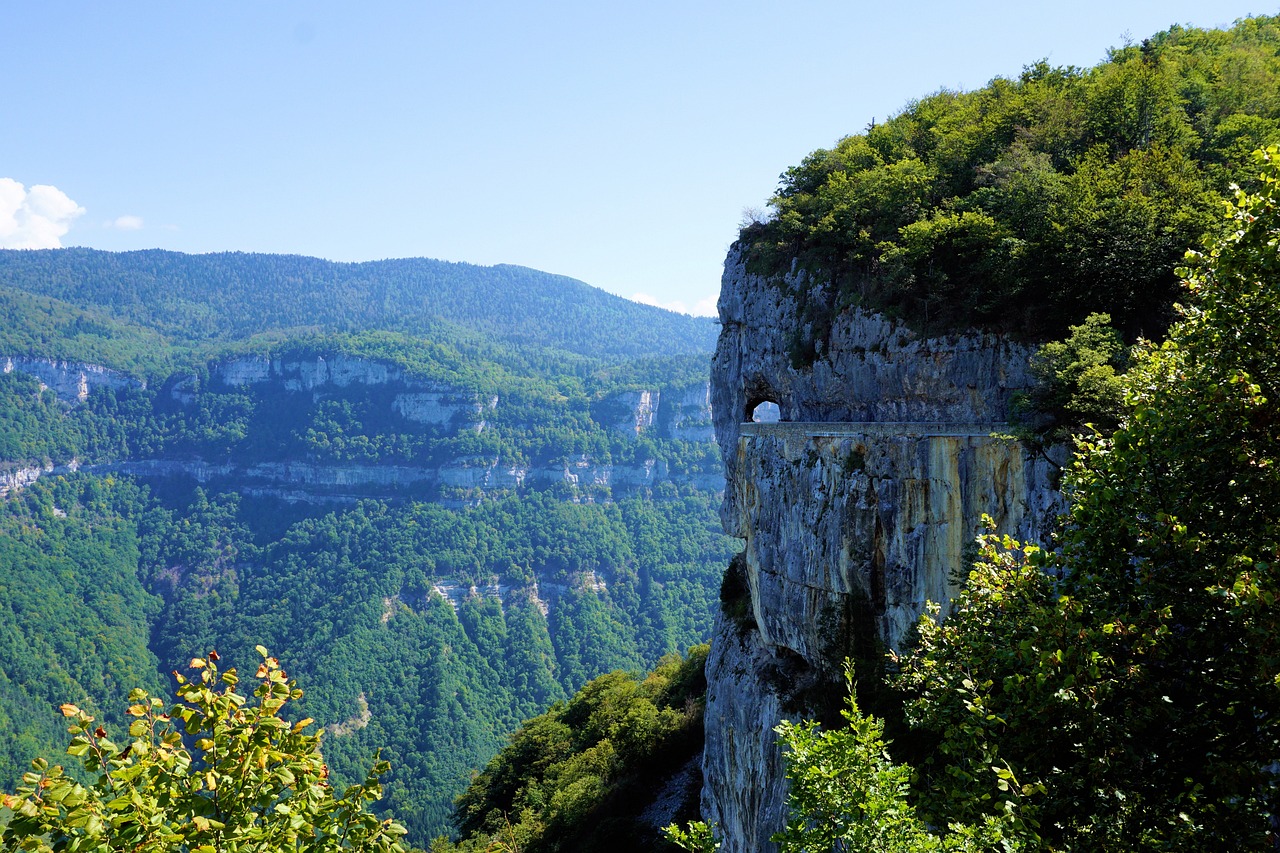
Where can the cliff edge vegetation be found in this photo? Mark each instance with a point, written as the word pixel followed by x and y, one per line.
pixel 1032 202
pixel 1131 700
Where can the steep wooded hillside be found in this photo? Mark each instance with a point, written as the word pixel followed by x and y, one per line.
pixel 444 496
pixel 231 296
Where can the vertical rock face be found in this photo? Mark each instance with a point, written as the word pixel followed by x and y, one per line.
pixel 683 414
pixel 689 414
pixel 70 380
pixel 855 511
pixel 635 411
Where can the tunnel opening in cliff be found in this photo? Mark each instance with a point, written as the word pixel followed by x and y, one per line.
pixel 763 412
pixel 761 399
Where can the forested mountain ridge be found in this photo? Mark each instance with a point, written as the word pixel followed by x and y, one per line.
pixel 443 510
pixel 554 374
pixel 219 298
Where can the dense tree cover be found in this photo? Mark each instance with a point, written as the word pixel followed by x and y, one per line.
pixel 351 598
pixel 348 597
pixel 1132 700
pixel 1027 204
pixel 1077 385
pixel 53 328
pixel 219 769
pixel 75 620
pixel 105 587
pixel 32 427
pixel 579 776
pixel 233 296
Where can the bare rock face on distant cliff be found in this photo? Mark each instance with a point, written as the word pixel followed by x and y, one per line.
pixel 419 401
pixel 855 511
pixel 411 403
pixel 683 414
pixel 70 380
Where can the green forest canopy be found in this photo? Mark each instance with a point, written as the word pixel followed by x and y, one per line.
pixel 1027 204
pixel 105 587
pixel 151 313
pixel 111 582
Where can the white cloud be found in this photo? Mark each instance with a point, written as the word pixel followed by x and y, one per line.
pixel 35 218
pixel 128 222
pixel 705 307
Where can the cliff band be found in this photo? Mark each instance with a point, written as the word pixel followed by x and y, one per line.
pixel 855 510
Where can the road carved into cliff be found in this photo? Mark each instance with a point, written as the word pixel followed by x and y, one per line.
pixel 921 429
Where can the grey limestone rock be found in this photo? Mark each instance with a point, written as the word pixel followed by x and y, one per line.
pixel 855 511
pixel 70 380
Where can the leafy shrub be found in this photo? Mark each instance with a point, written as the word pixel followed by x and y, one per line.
pixel 217 771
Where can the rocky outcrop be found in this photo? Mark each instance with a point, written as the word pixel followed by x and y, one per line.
pixel 869 370
pixel 542 593
pixel 70 380
pixel 306 373
pixel 442 406
pixel 416 400
pixel 686 414
pixel 14 479
pixel 635 411
pixel 855 511
pixel 683 414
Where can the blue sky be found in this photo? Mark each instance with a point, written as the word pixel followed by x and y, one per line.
pixel 615 143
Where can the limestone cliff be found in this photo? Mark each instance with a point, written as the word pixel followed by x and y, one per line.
pixel 408 403
pixel 14 479
pixel 416 400
pixel 683 414
pixel 855 510
pixel 70 380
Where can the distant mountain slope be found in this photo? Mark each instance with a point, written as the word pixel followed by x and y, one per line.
pixel 445 495
pixel 40 326
pixel 231 296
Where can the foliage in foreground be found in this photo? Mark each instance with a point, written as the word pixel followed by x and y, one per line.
pixel 1140 690
pixel 695 836
pixel 218 771
pixel 846 794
